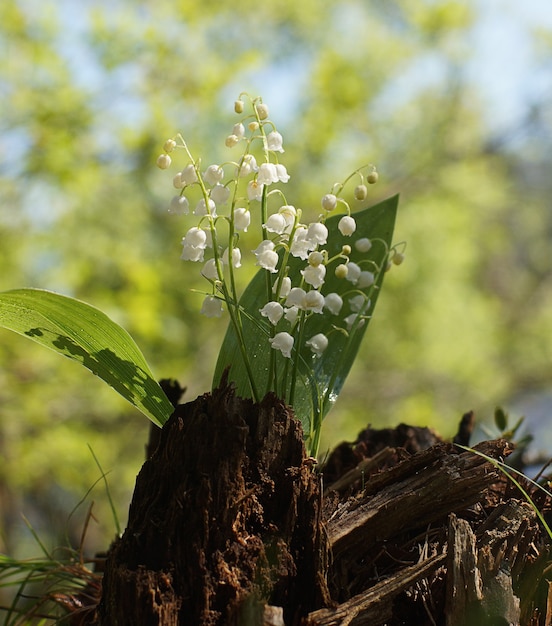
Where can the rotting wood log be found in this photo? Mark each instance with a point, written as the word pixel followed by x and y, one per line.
pixel 228 527
pixel 375 606
pixel 225 518
pixel 416 492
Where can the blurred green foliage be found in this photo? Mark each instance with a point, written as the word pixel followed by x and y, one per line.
pixel 90 91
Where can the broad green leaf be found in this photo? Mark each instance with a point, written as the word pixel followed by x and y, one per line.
pixel 85 334
pixel 318 380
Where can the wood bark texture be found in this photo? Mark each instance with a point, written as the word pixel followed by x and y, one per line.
pixel 224 520
pixel 228 526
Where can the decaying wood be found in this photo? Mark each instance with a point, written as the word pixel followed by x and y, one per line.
pixel 464 583
pixel 480 571
pixel 375 606
pixel 228 526
pixel 418 491
pixel 225 517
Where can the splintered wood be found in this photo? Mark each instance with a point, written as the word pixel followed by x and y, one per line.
pixel 434 539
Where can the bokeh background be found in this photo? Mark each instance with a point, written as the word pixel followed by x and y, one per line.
pixel 451 100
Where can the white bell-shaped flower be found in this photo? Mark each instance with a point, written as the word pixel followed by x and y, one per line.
pixel 318 343
pixel 329 202
pixel 255 190
pixel 276 223
pixel 346 225
pixel 363 244
pixel 296 297
pixel 201 208
pixel 291 314
pixel 285 288
pixel 268 260
pixel 353 272
pixel 282 341
pixel 242 219
pixel 333 302
pixel 188 175
pixel 220 194
pixel 192 253
pixel 248 165
pixel 314 301
pixel 213 174
pixel 212 307
pixel 317 233
pixel 301 245
pixel 179 205
pixel 273 311
pixel 274 141
pixel 357 302
pixel 195 237
pixel 365 279
pixel 236 257
pixel 268 174
pixel 209 270
pixel 314 275
pixel 281 173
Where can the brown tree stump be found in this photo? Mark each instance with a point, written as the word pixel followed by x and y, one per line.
pixel 227 526
pixel 225 519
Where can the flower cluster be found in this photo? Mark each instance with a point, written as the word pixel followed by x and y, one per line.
pixel 229 197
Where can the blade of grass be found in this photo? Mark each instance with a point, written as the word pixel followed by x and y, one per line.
pixel 508 472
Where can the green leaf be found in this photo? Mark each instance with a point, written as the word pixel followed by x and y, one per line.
pixel 85 334
pixel 319 380
pixel 500 418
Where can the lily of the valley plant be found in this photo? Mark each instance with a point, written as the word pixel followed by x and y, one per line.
pixel 296 328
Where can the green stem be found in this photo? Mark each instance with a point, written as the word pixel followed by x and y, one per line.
pixel 297 349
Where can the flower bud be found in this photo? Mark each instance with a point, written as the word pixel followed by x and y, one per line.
pixel 231 141
pixel 315 258
pixel 341 271
pixel 372 177
pixel 398 258
pixel 262 111
pixel 169 145
pixel 329 202
pixel 238 130
pixel 361 192
pixel 163 161
pixel 238 106
pixel 363 244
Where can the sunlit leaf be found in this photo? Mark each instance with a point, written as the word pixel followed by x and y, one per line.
pixel 318 380
pixel 85 334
